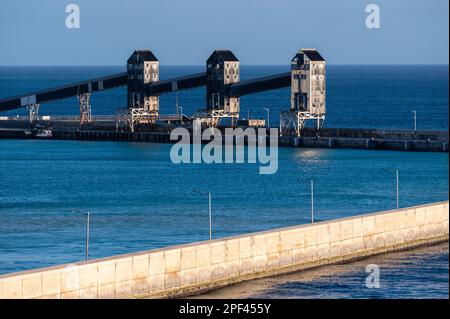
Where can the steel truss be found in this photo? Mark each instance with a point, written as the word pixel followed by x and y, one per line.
pixel 213 117
pixel 34 112
pixel 129 118
pixel 85 108
pixel 296 120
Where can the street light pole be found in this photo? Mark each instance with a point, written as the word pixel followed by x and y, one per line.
pixel 397 186
pixel 179 109
pixel 87 234
pixel 210 216
pixel 209 210
pixel 88 224
pixel 268 117
pixel 396 182
pixel 312 201
pixel 415 121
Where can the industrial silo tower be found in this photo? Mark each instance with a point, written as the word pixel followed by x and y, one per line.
pixel 222 69
pixel 308 91
pixel 142 68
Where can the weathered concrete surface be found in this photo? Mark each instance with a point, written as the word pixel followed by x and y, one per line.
pixel 189 269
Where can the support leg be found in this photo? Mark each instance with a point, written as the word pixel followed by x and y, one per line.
pixel 85 108
pixel 34 112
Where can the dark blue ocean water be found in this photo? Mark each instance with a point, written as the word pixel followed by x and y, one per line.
pixel 140 200
pixel 416 273
pixel 421 273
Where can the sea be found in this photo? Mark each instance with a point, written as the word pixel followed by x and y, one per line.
pixel 139 200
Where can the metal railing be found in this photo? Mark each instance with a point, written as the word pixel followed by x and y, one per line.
pixel 76 118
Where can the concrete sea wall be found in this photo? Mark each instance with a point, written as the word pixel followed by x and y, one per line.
pixel 188 269
pixel 340 138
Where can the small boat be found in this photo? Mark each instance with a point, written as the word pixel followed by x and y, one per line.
pixel 43 133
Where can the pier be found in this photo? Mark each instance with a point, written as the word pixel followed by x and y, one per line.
pixel 370 139
pixel 142 121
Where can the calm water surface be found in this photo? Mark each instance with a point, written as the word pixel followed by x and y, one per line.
pixel 417 273
pixel 140 200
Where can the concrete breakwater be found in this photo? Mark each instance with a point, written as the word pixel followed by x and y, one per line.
pixel 189 269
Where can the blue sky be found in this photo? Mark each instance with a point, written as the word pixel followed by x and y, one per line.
pixel 184 32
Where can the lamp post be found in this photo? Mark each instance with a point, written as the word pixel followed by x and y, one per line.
pixel 268 116
pixel 415 121
pixel 312 201
pixel 179 109
pixel 181 115
pixel 396 186
pixel 88 215
pixel 210 215
pixel 209 210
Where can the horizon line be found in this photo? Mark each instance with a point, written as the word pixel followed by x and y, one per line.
pixel 184 65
